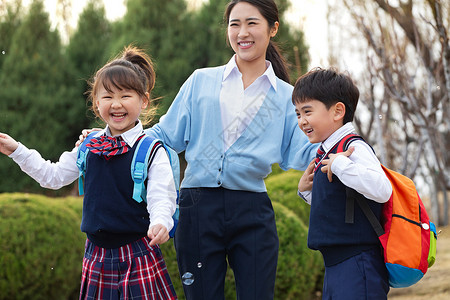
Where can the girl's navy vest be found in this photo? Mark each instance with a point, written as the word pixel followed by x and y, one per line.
pixel 328 232
pixel 111 217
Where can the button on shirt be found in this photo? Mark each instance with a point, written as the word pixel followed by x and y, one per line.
pixel 238 107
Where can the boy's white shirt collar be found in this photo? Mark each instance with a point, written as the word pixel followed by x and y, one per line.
pixel 337 136
pixel 130 137
pixel 231 67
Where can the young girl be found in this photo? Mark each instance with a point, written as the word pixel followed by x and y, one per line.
pixel 122 257
pixel 234 122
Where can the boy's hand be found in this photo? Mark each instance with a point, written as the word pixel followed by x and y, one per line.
pixel 7 144
pixel 84 134
pixel 306 181
pixel 158 234
pixel 328 162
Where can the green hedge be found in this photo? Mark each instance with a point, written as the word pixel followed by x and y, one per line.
pixel 41 246
pixel 282 187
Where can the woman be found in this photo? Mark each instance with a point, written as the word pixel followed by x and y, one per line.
pixel 234 122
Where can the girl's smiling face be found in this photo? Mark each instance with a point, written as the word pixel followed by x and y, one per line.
pixel 119 108
pixel 249 33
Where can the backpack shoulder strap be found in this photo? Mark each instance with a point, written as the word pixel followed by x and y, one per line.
pixel 344 143
pixel 142 158
pixel 175 164
pixel 81 160
pixel 352 195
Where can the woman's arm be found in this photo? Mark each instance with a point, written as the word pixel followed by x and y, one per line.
pixel 174 127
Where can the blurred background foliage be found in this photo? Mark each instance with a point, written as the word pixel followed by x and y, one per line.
pixel 43 102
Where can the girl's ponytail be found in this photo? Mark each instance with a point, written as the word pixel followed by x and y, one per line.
pixel 139 58
pixel 278 62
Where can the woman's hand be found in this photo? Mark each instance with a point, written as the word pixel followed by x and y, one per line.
pixel 84 134
pixel 7 144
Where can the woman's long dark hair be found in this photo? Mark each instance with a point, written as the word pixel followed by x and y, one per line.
pixel 269 11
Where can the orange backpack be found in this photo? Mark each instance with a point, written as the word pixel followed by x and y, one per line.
pixel 405 231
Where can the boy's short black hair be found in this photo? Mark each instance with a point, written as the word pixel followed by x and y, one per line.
pixel 329 87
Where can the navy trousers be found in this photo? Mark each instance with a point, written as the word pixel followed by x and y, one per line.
pixel 363 276
pixel 217 225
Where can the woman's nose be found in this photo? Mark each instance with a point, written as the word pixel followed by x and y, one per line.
pixel 243 32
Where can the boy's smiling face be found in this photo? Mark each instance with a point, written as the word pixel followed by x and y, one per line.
pixel 318 122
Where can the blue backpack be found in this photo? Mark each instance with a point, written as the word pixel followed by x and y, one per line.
pixel 142 158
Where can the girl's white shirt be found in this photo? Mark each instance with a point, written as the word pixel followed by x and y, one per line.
pixel 361 170
pixel 161 191
pixel 238 107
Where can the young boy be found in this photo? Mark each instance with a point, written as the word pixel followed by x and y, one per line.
pixel 325 102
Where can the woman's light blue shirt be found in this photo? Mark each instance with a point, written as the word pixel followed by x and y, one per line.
pixel 193 124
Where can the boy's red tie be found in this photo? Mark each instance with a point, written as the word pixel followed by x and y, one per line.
pixel 319 155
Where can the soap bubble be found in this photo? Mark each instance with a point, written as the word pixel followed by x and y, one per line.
pixel 199 265
pixel 187 278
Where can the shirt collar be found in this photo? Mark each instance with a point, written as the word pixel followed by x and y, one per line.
pixel 130 137
pixel 232 68
pixel 337 136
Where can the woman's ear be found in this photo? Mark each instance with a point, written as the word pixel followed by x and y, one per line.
pixel 274 29
pixel 339 111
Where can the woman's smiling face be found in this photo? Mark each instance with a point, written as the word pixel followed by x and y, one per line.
pixel 249 33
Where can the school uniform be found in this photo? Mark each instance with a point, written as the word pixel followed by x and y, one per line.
pixel 231 137
pixel 119 262
pixel 354 266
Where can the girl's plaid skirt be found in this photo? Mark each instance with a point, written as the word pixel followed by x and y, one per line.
pixel 133 271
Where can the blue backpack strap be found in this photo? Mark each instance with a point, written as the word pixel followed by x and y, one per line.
pixel 142 159
pixel 175 164
pixel 139 166
pixel 81 160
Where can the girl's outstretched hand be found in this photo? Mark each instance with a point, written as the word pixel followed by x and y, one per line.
pixel 328 162
pixel 84 134
pixel 158 234
pixel 7 144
